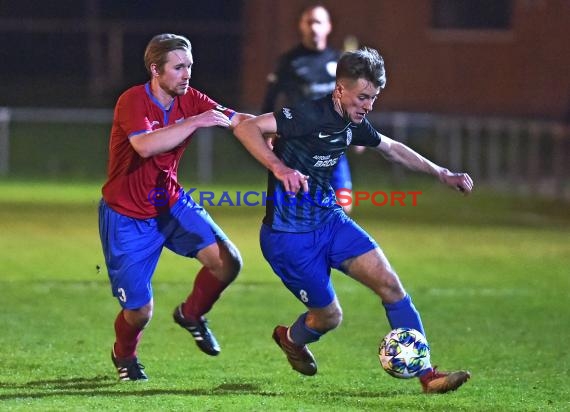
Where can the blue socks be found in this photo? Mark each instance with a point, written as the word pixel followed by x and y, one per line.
pixel 403 314
pixel 300 334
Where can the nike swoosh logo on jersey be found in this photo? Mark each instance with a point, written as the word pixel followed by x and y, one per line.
pixel 322 135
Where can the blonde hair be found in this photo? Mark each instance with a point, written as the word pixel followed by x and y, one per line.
pixel 160 45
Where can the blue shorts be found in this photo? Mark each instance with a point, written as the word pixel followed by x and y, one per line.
pixel 132 246
pixel 304 260
pixel 341 178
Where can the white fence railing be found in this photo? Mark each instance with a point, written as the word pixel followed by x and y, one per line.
pixel 521 155
pixel 87 116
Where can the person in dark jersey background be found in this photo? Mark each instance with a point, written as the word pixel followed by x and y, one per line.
pixel 307 72
pixel 145 209
pixel 305 233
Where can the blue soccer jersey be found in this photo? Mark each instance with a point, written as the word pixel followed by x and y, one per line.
pixel 312 139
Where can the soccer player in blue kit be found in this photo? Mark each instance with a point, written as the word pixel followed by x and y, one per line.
pixel 305 233
pixel 307 72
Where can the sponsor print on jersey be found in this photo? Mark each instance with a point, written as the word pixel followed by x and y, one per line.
pixel 325 161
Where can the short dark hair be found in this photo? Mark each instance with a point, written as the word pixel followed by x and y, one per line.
pixel 311 5
pixel 364 63
pixel 160 45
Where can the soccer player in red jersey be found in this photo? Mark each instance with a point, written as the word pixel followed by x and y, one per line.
pixel 144 208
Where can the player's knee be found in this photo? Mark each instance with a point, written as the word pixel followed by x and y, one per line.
pixel 333 321
pixel 233 263
pixel 227 263
pixel 391 287
pixel 139 317
pixel 232 251
pixel 325 321
pixel 335 318
pixel 144 321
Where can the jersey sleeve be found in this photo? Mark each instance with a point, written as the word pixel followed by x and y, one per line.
pixel 202 103
pixel 365 135
pixel 131 114
pixel 295 121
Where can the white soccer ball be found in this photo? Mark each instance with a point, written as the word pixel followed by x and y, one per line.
pixel 404 353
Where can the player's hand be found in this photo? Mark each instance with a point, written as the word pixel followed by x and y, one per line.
pixel 292 180
pixel 458 181
pixel 212 118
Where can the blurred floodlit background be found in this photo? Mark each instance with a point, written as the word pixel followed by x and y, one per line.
pixel 478 85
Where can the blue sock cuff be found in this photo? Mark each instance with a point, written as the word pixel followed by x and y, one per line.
pixel 301 334
pixel 425 371
pixel 399 304
pixel 403 314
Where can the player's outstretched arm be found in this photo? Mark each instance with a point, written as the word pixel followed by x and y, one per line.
pixel 400 153
pixel 167 138
pixel 251 134
pixel 238 118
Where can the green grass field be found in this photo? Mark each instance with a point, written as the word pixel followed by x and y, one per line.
pixel 490 275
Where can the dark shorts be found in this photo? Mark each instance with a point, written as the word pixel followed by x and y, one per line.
pixel 303 261
pixel 132 246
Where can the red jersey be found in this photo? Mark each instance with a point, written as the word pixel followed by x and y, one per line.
pixel 138 187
